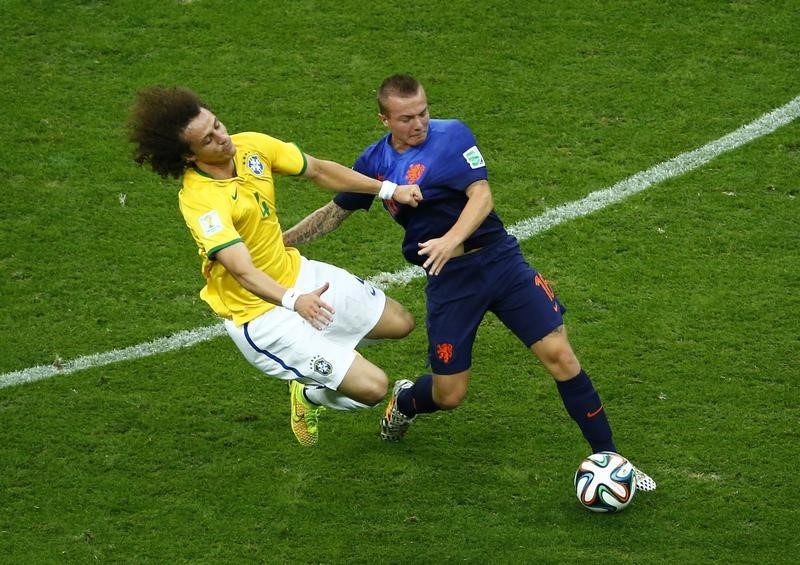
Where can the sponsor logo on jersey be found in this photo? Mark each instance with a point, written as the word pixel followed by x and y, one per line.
pixel 210 223
pixel 321 366
pixel 255 164
pixel 444 352
pixel 474 158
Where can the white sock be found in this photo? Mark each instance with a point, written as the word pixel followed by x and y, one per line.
pixel 323 396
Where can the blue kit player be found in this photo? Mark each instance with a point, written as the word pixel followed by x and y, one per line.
pixel 473 265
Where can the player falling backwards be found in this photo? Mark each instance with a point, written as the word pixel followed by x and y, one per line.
pixel 473 265
pixel 292 318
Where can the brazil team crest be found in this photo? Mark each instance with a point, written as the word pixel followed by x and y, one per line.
pixel 321 366
pixel 255 164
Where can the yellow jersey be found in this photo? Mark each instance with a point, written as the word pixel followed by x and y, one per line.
pixel 220 213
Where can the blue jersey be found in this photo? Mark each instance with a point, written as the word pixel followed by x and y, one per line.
pixel 495 278
pixel 443 166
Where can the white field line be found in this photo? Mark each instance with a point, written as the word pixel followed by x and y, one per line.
pixel 525 229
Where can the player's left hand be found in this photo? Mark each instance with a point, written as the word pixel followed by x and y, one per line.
pixel 313 309
pixel 408 194
pixel 439 251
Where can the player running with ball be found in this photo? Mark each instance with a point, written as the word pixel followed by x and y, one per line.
pixel 473 265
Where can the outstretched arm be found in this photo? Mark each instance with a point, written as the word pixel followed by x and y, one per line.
pixel 332 175
pixel 316 224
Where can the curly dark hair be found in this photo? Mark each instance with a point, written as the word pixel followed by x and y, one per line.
pixel 156 124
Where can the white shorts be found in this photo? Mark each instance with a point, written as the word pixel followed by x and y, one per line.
pixel 283 345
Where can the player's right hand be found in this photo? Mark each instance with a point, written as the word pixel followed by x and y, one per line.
pixel 409 194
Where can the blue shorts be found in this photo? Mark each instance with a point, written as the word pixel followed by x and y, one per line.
pixel 494 279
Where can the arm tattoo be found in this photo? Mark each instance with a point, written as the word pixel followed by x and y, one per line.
pixel 316 224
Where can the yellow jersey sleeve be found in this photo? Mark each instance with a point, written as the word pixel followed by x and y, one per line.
pixel 284 158
pixel 208 215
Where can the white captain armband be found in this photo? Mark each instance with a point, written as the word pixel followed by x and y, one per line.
pixel 289 298
pixel 387 190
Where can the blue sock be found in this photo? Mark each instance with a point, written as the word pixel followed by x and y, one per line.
pixel 418 399
pixel 583 405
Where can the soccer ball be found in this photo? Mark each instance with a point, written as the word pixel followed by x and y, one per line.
pixel 605 482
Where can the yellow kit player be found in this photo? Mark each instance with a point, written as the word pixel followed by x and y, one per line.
pixel 293 318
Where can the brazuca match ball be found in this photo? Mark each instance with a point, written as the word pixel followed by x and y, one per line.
pixel 605 482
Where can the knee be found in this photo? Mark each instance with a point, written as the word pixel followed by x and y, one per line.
pixel 400 322
pixel 562 363
pixel 406 323
pixel 448 400
pixel 557 356
pixel 565 358
pixel 375 388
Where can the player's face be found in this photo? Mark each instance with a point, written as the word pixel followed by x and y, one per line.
pixel 208 140
pixel 407 120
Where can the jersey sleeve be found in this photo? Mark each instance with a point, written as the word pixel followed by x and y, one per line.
pixel 466 162
pixel 356 200
pixel 284 158
pixel 210 222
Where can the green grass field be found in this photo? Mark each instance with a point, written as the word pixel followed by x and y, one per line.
pixel 683 300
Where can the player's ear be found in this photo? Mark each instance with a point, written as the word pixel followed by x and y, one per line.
pixel 384 120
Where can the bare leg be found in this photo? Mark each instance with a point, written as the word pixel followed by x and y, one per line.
pixel 396 322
